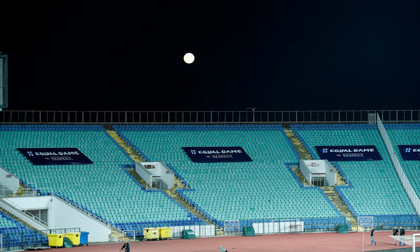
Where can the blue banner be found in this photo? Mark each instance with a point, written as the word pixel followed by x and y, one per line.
pixel 217 154
pixel 55 156
pixel 410 152
pixel 349 153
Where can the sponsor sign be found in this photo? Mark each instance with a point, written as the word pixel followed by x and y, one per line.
pixel 216 154
pixel 349 153
pixel 55 156
pixel 410 152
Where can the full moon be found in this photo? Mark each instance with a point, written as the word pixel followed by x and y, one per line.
pixel 189 58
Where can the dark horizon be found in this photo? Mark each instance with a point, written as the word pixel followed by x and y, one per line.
pixel 299 55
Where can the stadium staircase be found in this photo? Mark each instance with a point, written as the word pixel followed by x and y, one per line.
pixel 24 191
pixel 330 191
pixel 118 236
pixel 134 174
pixel 136 157
pixel 300 176
pixel 21 191
pixel 16 218
pixel 304 154
pixel 132 153
pixel 341 206
pixel 174 195
pixel 334 197
pixel 298 145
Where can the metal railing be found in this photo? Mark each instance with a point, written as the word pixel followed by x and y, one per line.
pixel 61 230
pixel 197 117
pixel 17 240
pixel 275 226
pixel 23 214
pixel 34 217
pixel 33 191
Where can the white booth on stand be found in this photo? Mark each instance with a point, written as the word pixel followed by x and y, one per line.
pixel 156 174
pixel 318 172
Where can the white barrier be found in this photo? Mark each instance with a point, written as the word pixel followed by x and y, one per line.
pixel 199 230
pixel 9 182
pixel 278 227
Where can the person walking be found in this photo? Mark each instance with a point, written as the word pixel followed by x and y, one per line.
pixel 395 233
pixel 372 237
pixel 402 235
pixel 125 247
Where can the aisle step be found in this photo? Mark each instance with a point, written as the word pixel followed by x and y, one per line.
pixel 338 202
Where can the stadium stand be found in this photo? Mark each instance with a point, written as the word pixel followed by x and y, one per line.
pixel 375 187
pixel 16 234
pixel 264 189
pixel 406 134
pixel 103 188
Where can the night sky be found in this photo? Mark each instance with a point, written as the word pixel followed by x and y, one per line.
pixel 271 55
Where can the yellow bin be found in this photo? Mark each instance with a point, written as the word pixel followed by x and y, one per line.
pixel 151 233
pixel 165 233
pixel 74 238
pixel 55 240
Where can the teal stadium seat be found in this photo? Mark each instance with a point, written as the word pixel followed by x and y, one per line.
pixel 15 234
pixel 406 134
pixel 263 189
pixel 376 189
pixel 104 188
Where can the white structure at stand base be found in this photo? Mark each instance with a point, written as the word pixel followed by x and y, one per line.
pixel 318 172
pixel 59 214
pixel 156 174
pixel 9 183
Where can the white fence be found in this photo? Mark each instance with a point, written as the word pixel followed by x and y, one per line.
pixel 199 230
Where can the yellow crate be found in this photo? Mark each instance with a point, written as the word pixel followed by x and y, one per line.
pixel 151 233
pixel 74 238
pixel 55 240
pixel 165 233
